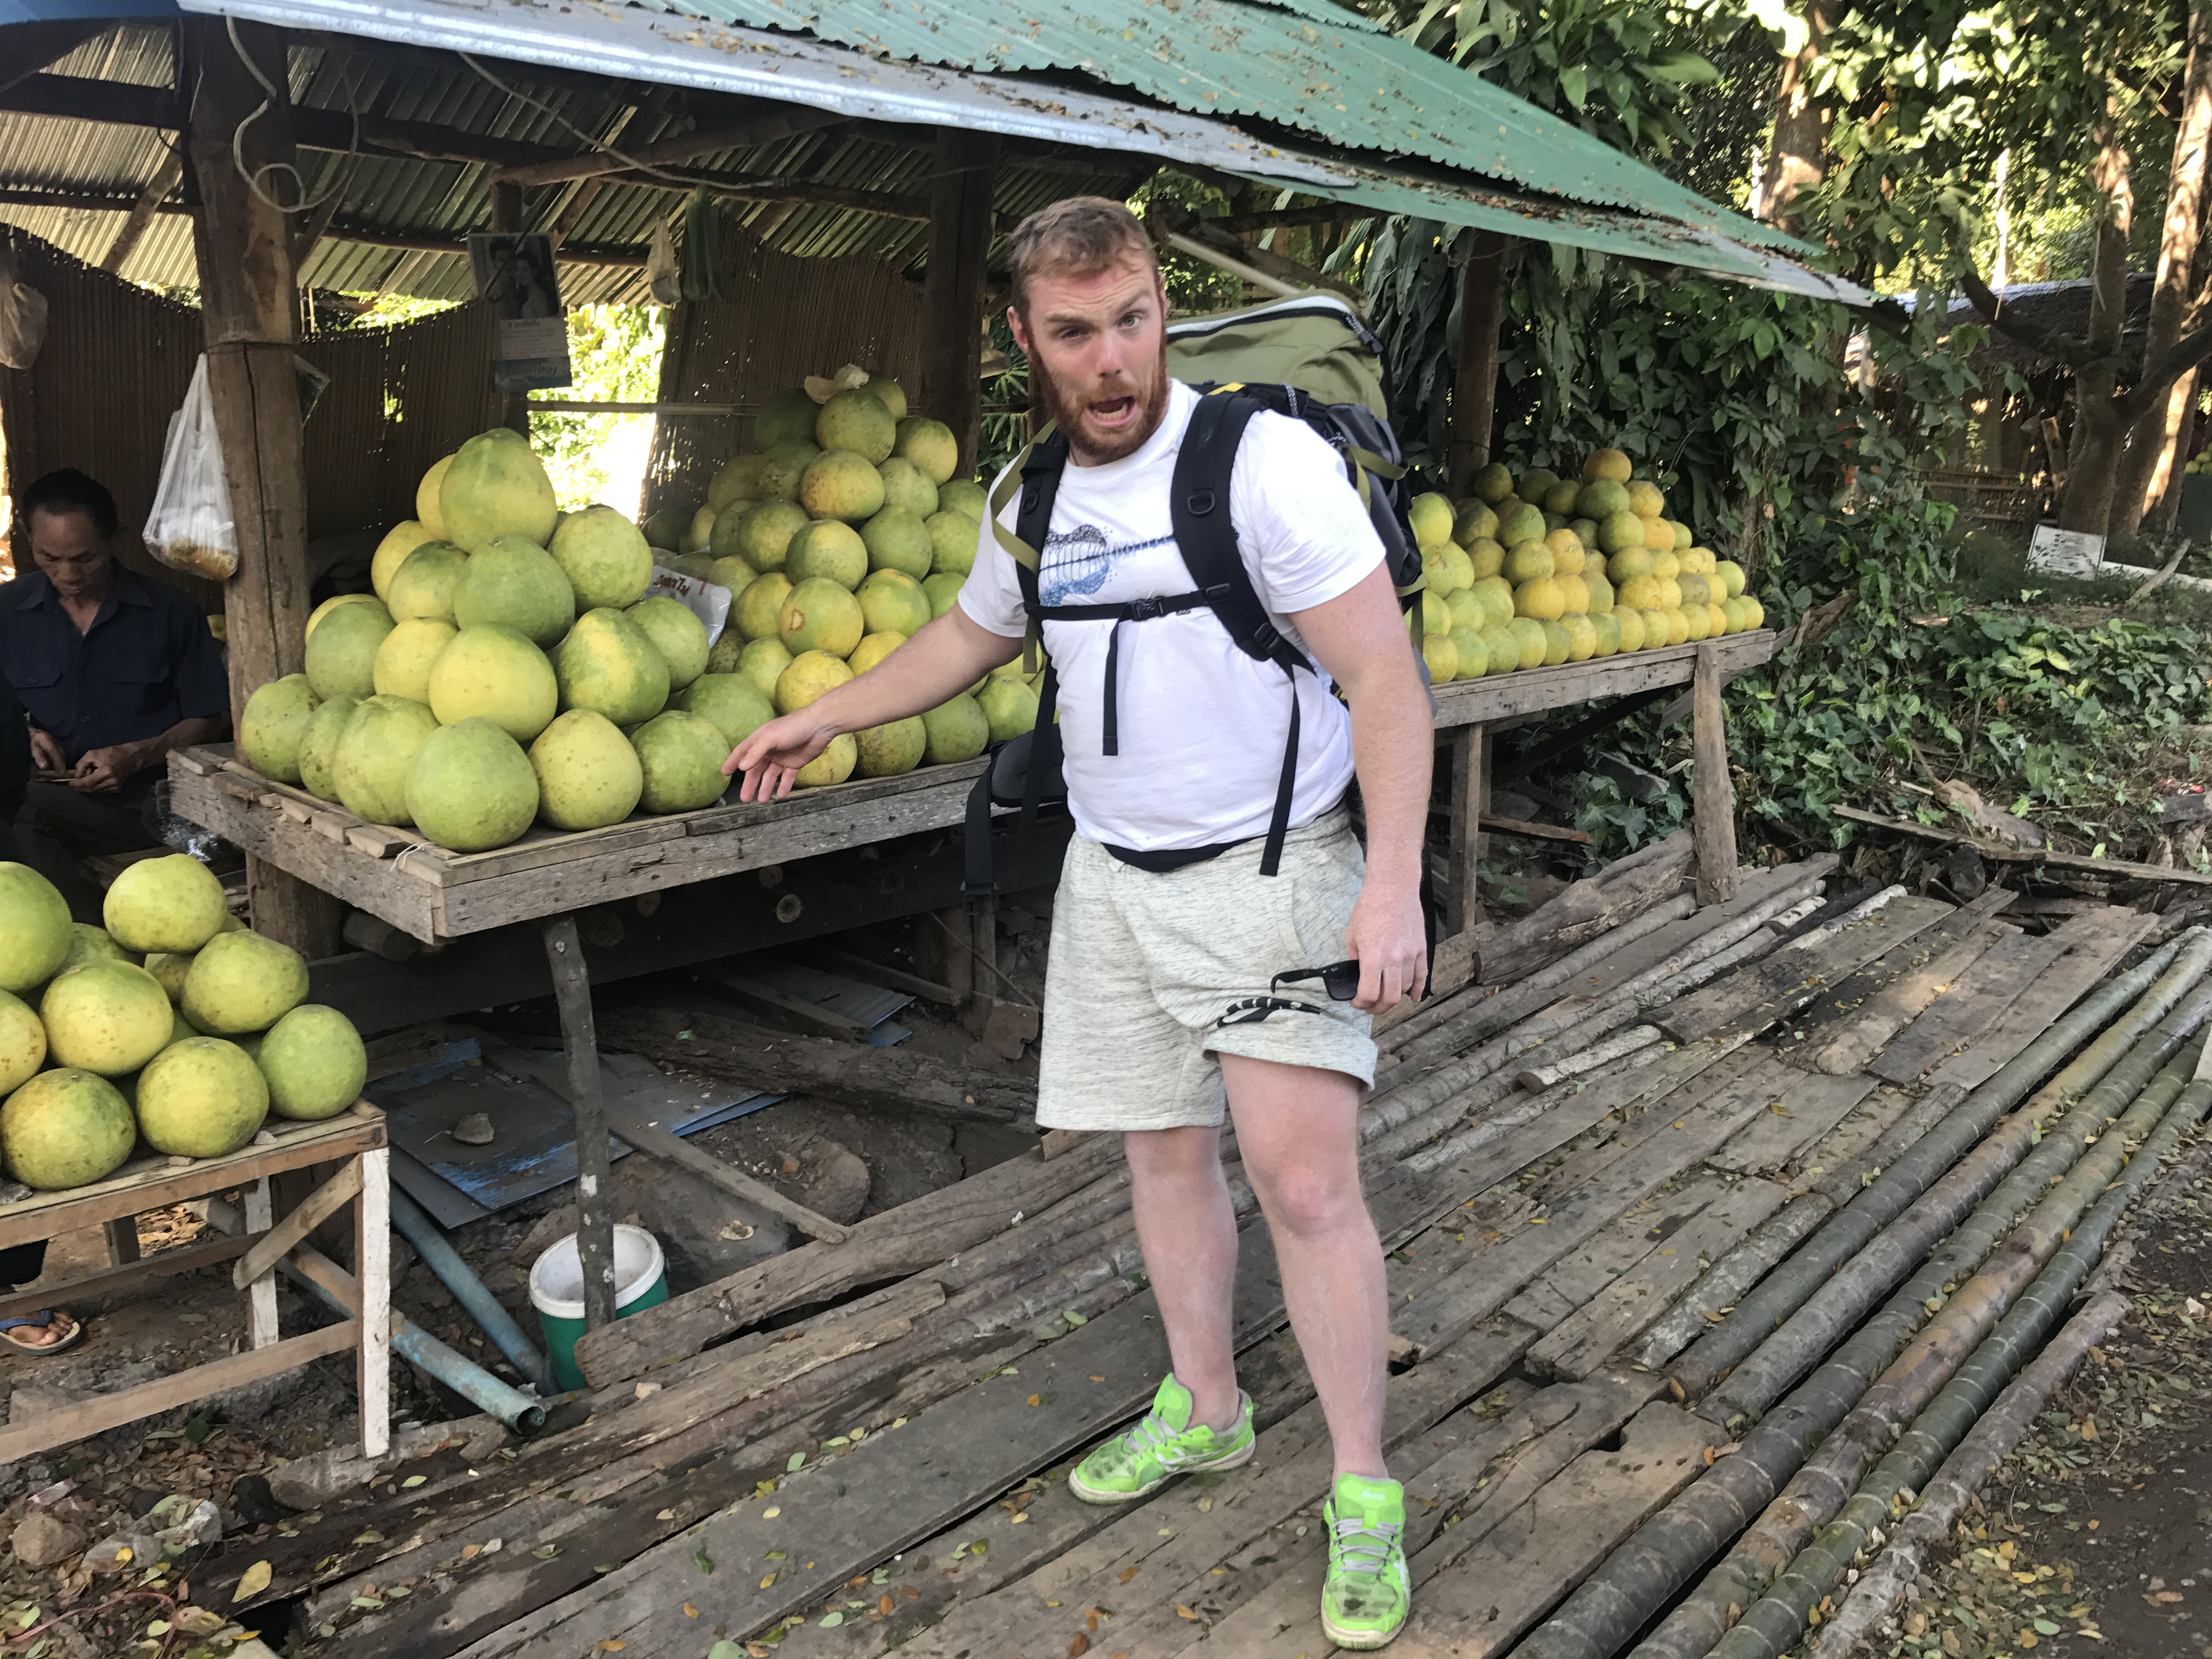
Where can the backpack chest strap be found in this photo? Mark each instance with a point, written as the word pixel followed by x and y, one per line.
pixel 1129 610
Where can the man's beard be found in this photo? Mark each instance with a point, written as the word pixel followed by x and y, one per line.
pixel 1069 414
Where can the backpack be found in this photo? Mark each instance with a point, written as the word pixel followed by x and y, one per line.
pixel 1309 358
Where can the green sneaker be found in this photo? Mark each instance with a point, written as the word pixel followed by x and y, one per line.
pixel 1367 1595
pixel 1161 1447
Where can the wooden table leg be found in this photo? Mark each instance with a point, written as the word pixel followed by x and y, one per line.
pixel 595 1222
pixel 1470 795
pixel 123 1240
pixel 261 1294
pixel 371 1266
pixel 1714 800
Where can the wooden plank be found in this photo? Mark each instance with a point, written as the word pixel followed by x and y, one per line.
pixel 631 1124
pixel 372 1254
pixel 1859 1130
pixel 1810 1106
pixel 1967 1006
pixel 1486 702
pixel 1714 804
pixel 2095 944
pixel 1598 1329
pixel 1754 996
pixel 1852 1041
pixel 1658 946
pixel 325 1201
pixel 1469 786
pixel 263 1325
pixel 964 170
pixel 110 1411
pixel 1590 1268
pixel 2117 868
pixel 1811 1024
pixel 183 1259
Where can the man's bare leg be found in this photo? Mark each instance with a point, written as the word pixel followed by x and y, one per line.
pixel 1297 1133
pixel 1188 1230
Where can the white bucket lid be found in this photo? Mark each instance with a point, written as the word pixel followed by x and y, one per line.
pixel 557 1278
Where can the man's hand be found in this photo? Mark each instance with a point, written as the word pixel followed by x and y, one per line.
pixel 99 770
pixel 1386 938
pixel 771 757
pixel 46 753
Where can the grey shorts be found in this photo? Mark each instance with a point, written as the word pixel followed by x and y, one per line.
pixel 1144 963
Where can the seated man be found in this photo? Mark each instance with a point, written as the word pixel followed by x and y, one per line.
pixel 114 670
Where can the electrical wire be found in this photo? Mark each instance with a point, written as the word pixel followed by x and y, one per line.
pixel 598 146
pixel 271 95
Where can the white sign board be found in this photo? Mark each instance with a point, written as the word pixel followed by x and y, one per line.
pixel 709 601
pixel 2058 552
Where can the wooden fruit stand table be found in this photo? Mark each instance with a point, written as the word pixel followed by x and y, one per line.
pixel 355 1142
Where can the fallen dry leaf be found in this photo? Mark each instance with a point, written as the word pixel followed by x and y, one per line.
pixel 1128 1573
pixel 254 1580
pixel 1079 1646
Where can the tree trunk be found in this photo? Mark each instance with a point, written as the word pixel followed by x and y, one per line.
pixel 1474 357
pixel 2093 468
pixel 2162 512
pixel 1799 154
pixel 2151 455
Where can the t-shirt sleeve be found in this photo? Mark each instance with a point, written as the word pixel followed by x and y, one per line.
pixel 992 595
pixel 1300 520
pixel 202 688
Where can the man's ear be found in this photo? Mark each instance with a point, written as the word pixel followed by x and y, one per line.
pixel 1021 334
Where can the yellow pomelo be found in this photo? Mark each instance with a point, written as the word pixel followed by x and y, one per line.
pixel 1607 464
pixel 1757 617
pixel 1601 594
pixel 1568 556
pixel 892 602
pixel 732 702
pixel 762 535
pixel 90 944
pixel 1582 637
pixel 897 540
pixel 907 487
pixel 106 1017
pixel 1527 562
pixel 930 445
pixel 425 583
pixel 676 633
pixel 1558 642
pixel 341 656
pixel 243 982
pixel 1441 657
pixel 680 756
pixel 1484 558
pixel 1530 633
pixel 1682 536
pixel 173 903
pixel 830 549
pixel 888 393
pixel 787 415
pixel 201 1097
pixel 1601 498
pixel 374 754
pixel 316 616
pixel 22 1043
pixel 781 467
pixel 428 509
pixel 1573 595
pixel 495 486
pixel 320 741
pixel 1431 516
pixel 1678 625
pixel 1644 499
pixel 314 1063
pixel 1436 614
pixel 887 750
pixel 1731 574
pixel 275 721
pixel 1639 593
pixel 858 422
pixel 169 968
pixel 1009 706
pixel 610 665
pixel 402 539
pixel 1697 621
pixel 821 615
pixel 588 776
pixel 1628 626
pixel 759 606
pixel 1658 537
pixel 1618 532
pixel 1732 609
pixel 472 787
pixel 1703 559
pixel 1693 587
pixel 839 483
pixel 1458 567
pixel 1659 628
pixel 1471 657
pixel 1501 648
pixel 874 647
pixel 699 535
pixel 494 672
pixel 1540 599
pixel 1466 611
pixel 810 675
pixel 1629 562
pixel 1717 615
pixel 605 557
pixel 953 539
pixel 1476 522
pixel 957 731
pixel 833 765
pixel 965 497
pixel 1496 596
pixel 513 582
pixel 944 591
pixel 1608 630
pixel 762 660
pixel 1670 592
pixel 409 652
pixel 65 1128
pixel 1492 484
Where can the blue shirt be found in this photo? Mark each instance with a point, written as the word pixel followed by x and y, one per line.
pixel 147 662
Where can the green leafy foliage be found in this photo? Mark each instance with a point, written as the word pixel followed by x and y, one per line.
pixel 615 352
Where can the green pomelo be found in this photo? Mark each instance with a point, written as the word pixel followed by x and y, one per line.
pixel 1441 658
pixel 1492 484
pixel 313 1061
pixel 833 765
pixel 23 1040
pixel 1522 524
pixel 963 495
pixel 321 743
pixel 427 506
pixel 514 583
pixel 1435 613
pixel 274 721
pixel 1601 498
pixel 316 616
pixel 202 1097
pixel 723 656
pixel 1009 707
pixel 66 1128
pixel 761 661
pixel 426 584
pixel 841 483
pixel 892 602
pixel 169 968
pixel 810 674
pixel 1607 627
pixel 409 652
pixel 873 649
pixel 610 665
pixel 898 539
pixel 957 729
pixel 402 539
pixel 493 671
pixel 1466 611
pixel 732 702
pixel 829 550
pixel 722 542
pixel 471 788
pixel 588 776
pixel 106 1017
pixel 243 982
pixel 495 487
pixel 944 591
pixel 952 540
pixel 1430 515
pixel 930 445
pixel 1620 532
pixel 1472 654
pixel 886 750
pixel 1563 499
pixel 888 393
pixel 1530 633
pixel 857 421
pixel 173 903
pixel 91 944
pixel 782 467
pixel 762 537
pixel 733 481
pixel 341 659
pixel 676 633
pixel 734 575
pixel 1475 523
pixel 680 755
pixel 759 608
pixel 664 528
pixel 786 416
pixel 907 485
pixel 605 557
pixel 1501 649
pixel 374 754
pixel 821 615
pixel 700 534
pixel 1535 482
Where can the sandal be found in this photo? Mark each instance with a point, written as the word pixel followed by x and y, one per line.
pixel 41 1321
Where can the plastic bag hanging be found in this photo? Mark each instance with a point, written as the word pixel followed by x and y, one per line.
pixel 702 247
pixel 664 277
pixel 22 316
pixel 190 527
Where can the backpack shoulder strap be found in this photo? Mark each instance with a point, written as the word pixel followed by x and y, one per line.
pixel 1199 509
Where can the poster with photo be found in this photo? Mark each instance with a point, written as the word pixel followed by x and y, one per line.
pixel 515 274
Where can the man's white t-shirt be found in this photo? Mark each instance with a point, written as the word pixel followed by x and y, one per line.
pixel 1201 726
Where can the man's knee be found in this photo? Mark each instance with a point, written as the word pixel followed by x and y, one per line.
pixel 1170 1154
pixel 1309 1197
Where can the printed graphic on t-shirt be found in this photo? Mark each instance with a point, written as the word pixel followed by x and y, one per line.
pixel 1077 562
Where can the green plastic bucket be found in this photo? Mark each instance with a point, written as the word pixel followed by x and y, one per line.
pixel 557 1290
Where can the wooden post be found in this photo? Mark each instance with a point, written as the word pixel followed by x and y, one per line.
pixel 507 216
pixel 960 200
pixel 247 296
pixel 1474 364
pixel 595 1224
pixel 262 1328
pixel 372 1274
pixel 1714 802
pixel 1470 795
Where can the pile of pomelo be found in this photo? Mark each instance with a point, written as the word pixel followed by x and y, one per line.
pixel 511 668
pixel 172 1026
pixel 1544 570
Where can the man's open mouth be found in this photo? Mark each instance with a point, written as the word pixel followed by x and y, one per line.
pixel 1113 411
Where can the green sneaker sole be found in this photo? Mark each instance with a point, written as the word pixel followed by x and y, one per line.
pixel 1090 1494
pixel 1359 1641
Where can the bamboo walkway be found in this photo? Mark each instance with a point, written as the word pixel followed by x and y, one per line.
pixel 1709 1245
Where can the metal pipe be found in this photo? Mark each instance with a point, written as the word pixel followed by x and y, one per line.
pixel 442 1259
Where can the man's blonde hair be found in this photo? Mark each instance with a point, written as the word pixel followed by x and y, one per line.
pixel 1079 236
